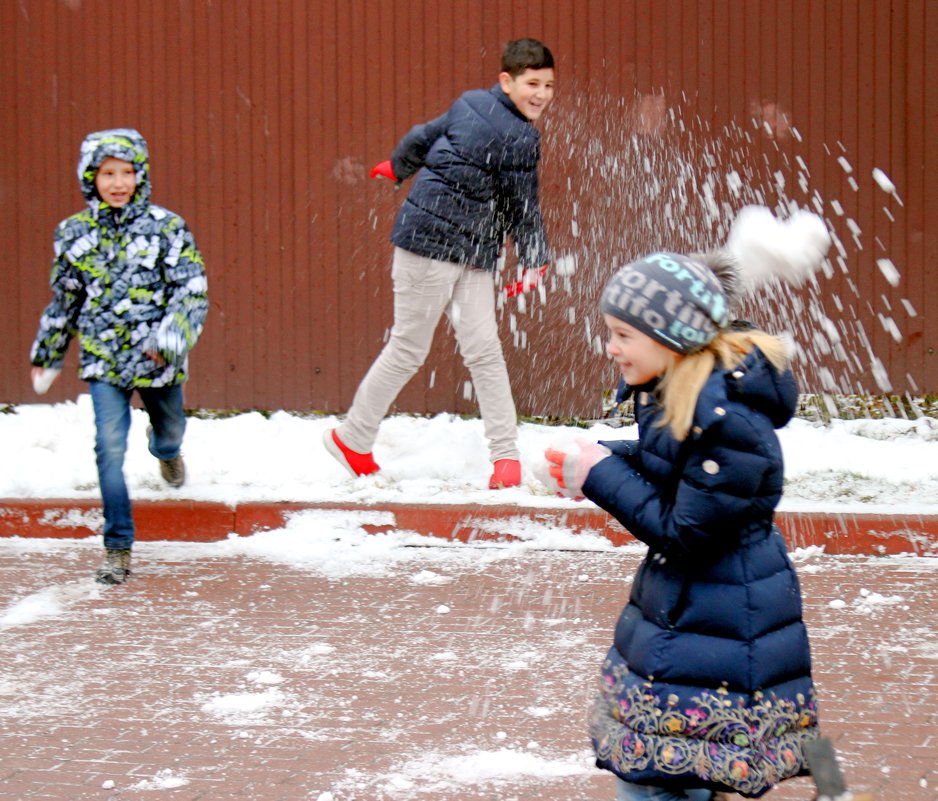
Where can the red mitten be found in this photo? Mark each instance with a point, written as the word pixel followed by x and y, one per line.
pixel 530 278
pixel 383 170
pixel 569 465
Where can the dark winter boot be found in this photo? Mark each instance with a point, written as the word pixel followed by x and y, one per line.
pixel 173 470
pixel 116 567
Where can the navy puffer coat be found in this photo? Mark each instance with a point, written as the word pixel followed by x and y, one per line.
pixel 478 184
pixel 708 682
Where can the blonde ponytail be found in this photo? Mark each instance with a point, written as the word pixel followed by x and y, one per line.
pixel 682 383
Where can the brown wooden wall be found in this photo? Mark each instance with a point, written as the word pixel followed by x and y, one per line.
pixel 264 117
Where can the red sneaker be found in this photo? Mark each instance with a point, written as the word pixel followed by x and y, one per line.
pixel 505 473
pixel 358 464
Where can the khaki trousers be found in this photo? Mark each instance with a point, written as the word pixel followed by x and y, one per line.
pixel 424 289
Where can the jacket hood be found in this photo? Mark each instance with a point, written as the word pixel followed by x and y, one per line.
pixel 756 383
pixel 119 143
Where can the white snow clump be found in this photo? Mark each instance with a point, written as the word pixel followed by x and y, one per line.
pixel 768 248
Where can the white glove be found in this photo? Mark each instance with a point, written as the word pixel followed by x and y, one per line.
pixel 569 464
pixel 167 344
pixel 43 378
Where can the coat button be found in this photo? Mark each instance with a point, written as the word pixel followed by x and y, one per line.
pixel 738 374
pixel 711 467
pixel 720 411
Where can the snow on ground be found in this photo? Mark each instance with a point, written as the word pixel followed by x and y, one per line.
pixel 863 465
pixel 278 687
pixel 435 772
pixel 246 672
pixel 858 465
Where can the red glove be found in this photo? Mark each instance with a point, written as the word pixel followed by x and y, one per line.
pixel 530 278
pixel 383 170
pixel 569 465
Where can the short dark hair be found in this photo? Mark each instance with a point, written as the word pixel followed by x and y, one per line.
pixel 525 54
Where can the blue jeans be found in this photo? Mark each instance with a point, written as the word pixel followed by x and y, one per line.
pixel 626 791
pixel 112 424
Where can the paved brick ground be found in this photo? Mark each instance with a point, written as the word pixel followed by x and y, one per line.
pixel 232 678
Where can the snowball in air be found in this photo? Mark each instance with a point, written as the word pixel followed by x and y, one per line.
pixel 791 250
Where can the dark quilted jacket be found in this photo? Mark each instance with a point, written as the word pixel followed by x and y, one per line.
pixel 708 683
pixel 478 184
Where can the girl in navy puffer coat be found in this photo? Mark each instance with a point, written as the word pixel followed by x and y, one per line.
pixel 707 686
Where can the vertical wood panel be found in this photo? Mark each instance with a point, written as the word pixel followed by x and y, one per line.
pixel 703 56
pixel 845 144
pixel 282 213
pixel 242 297
pixel 264 330
pixel 875 38
pixel 922 138
pixel 211 366
pixel 333 272
pixel 17 303
pixel 892 95
pixel 295 241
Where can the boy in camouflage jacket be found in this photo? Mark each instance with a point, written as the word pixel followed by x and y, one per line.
pixel 128 279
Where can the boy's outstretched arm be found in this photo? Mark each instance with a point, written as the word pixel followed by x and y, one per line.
pixel 411 152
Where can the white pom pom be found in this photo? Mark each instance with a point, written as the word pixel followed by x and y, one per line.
pixel 790 250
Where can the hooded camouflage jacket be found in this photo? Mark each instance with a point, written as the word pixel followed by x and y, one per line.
pixel 128 281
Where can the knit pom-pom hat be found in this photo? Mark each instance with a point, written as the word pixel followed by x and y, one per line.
pixel 676 300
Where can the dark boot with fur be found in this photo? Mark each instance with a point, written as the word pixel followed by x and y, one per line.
pixel 116 567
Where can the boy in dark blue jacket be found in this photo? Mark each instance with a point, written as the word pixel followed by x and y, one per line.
pixel 476 184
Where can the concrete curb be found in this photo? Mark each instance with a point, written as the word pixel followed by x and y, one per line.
pixel 204 521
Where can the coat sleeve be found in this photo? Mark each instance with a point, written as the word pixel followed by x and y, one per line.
pixel 59 320
pixel 186 290
pixel 521 210
pixel 726 481
pixel 411 152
